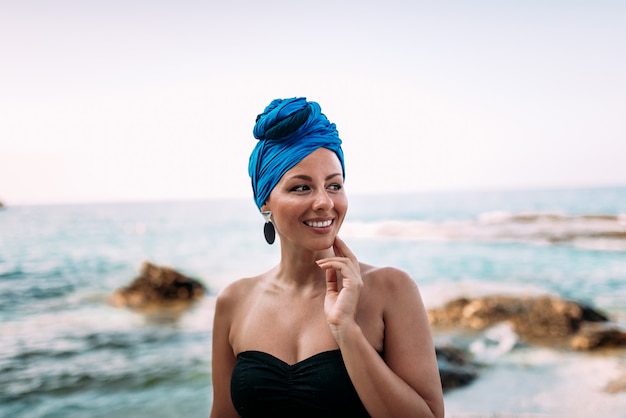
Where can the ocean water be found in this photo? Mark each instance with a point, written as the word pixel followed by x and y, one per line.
pixel 65 352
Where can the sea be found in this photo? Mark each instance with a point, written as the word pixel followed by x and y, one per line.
pixel 65 351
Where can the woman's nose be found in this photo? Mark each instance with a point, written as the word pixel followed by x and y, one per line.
pixel 322 201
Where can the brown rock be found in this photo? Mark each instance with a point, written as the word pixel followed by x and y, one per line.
pixel 158 287
pixel 598 335
pixel 538 319
pixel 485 312
pixel 547 317
pixel 448 315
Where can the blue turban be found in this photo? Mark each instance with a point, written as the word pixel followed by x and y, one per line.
pixel 288 130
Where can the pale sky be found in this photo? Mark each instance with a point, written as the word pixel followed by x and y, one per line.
pixel 139 100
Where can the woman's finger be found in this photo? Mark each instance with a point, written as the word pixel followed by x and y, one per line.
pixel 342 249
pixel 337 264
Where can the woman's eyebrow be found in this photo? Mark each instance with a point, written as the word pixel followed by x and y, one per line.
pixel 308 178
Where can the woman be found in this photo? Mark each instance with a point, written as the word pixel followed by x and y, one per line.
pixel 321 334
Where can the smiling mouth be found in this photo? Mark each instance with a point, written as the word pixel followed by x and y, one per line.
pixel 320 224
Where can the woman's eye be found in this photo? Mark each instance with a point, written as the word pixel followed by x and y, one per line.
pixel 335 187
pixel 300 188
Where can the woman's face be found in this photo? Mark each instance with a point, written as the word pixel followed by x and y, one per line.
pixel 309 203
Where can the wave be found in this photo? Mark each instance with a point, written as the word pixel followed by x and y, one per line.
pixel 24 295
pixel 101 361
pixel 494 343
pixel 30 385
pixel 16 274
pixel 588 231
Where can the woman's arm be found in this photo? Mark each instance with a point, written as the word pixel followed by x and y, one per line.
pixel 406 382
pixel 223 359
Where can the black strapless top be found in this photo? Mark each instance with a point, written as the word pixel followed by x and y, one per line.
pixel 319 386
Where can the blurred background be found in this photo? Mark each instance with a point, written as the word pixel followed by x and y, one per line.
pixel 484 145
pixel 150 100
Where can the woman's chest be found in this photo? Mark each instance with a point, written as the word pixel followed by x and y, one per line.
pixel 294 329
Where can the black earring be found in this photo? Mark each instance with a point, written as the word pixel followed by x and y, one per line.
pixel 268 229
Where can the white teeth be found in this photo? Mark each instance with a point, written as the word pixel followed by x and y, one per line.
pixel 319 224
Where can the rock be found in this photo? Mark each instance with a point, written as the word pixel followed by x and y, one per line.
pixel 485 312
pixel 455 368
pixel 449 315
pixel 548 317
pixel 598 335
pixel 535 319
pixel 159 288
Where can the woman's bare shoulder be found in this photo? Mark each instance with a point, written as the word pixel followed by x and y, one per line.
pixel 385 276
pixel 238 291
pixel 388 284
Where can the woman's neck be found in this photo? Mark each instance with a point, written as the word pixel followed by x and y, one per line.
pixel 297 267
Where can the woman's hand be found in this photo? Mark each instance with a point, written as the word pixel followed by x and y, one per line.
pixel 340 303
pixel 403 379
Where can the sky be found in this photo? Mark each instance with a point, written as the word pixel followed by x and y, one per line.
pixel 124 100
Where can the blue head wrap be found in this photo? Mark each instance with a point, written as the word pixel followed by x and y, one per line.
pixel 288 130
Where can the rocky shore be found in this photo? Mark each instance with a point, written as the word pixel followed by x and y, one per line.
pixel 543 321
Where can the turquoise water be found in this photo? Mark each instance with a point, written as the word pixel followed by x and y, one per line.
pixel 64 351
